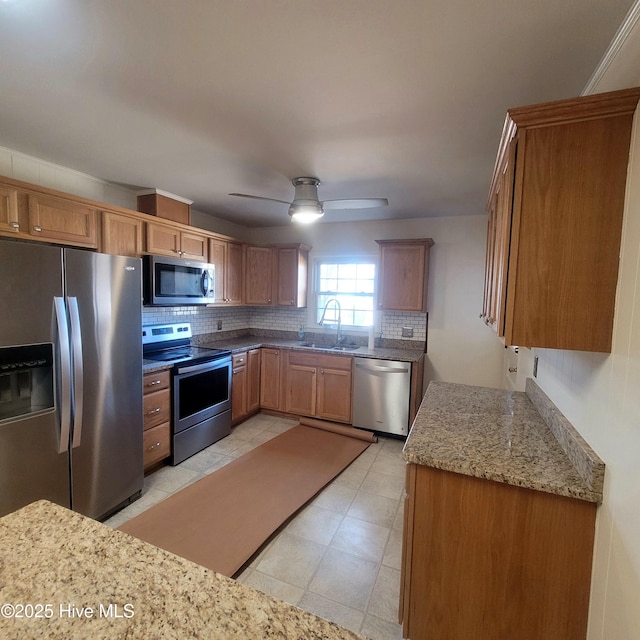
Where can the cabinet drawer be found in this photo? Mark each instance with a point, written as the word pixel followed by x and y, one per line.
pixel 156 381
pixel 156 408
pixel 239 359
pixel 156 444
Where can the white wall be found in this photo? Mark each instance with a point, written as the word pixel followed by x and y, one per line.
pixel 600 395
pixel 460 347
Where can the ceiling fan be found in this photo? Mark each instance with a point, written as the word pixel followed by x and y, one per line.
pixel 306 207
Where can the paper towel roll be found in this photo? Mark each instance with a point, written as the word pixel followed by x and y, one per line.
pixel 371 338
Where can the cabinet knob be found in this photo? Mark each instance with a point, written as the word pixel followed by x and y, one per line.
pixel 153 446
pixel 153 383
pixel 15 225
pixel 37 228
pixel 513 369
pixel 153 411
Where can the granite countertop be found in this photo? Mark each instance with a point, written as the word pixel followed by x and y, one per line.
pixel 518 438
pixel 68 576
pixel 244 343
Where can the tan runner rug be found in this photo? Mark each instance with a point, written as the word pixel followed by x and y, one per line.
pixel 223 519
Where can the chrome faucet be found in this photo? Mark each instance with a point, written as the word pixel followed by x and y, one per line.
pixel 338 337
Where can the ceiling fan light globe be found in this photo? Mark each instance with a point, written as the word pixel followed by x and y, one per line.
pixel 305 214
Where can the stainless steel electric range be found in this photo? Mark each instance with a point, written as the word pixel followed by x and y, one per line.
pixel 200 387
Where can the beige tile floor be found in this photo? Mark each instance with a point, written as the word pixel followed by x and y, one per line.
pixel 339 556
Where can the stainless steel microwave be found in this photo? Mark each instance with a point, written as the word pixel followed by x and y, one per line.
pixel 175 282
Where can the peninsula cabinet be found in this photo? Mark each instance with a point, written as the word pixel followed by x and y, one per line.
pixel 156 402
pixel 555 220
pixel 404 274
pixel 482 559
pixel 318 386
pixel 166 240
pixel 226 256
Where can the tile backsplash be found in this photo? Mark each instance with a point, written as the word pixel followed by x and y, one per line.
pixel 206 320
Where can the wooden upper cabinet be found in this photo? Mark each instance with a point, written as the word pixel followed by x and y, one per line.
pixel 166 240
pixel 9 210
pixel 226 256
pixel 64 221
pixel 404 274
pixel 557 199
pixel 122 235
pixel 292 270
pixel 258 275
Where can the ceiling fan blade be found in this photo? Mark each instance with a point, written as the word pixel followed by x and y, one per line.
pixel 244 195
pixel 359 203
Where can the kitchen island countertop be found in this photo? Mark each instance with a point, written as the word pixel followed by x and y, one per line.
pixel 518 438
pixel 63 575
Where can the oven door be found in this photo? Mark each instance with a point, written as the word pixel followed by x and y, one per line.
pixel 200 391
pixel 174 281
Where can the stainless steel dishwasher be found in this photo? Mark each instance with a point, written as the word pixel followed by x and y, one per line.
pixel 381 390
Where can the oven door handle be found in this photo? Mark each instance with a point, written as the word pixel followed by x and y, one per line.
pixel 203 366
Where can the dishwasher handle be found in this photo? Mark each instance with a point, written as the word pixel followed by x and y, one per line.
pixel 382 369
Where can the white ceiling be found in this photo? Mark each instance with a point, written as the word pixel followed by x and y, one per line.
pixel 403 99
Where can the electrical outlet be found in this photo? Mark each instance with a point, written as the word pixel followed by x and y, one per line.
pixel 407 332
pixel 219 325
pixel 535 366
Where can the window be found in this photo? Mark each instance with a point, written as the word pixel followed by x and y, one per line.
pixel 352 285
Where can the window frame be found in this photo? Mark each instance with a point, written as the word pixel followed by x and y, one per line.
pixel 315 309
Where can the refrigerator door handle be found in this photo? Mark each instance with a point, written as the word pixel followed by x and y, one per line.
pixel 64 348
pixel 78 378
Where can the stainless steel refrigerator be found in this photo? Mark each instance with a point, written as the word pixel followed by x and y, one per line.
pixel 70 378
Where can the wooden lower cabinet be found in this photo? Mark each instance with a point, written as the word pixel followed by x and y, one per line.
pixel 270 379
pixel 318 386
pixel 157 417
pixel 482 559
pixel 245 386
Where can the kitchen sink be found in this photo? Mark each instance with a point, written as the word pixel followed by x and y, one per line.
pixel 327 347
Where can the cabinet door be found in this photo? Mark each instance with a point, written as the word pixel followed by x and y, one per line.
pixel 270 379
pixel 9 210
pixel 253 380
pixel 334 394
pixel 404 267
pixel 239 390
pixel 63 221
pixel 227 260
pixel 258 281
pixel 122 235
pixel 498 239
pixel 163 240
pixel 233 279
pixel 300 394
pixel 292 277
pixel 218 258
pixel 194 246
